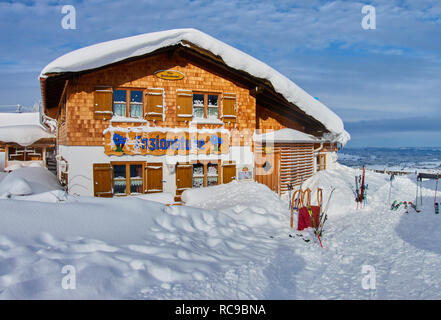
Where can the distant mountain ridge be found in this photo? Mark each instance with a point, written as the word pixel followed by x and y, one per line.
pixel 402 158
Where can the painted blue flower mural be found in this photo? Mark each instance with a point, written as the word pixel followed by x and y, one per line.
pixel 216 142
pixel 119 141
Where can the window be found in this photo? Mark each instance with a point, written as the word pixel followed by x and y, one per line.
pixel 198 106
pixel 206 105
pixel 119 179
pixel 119 102
pixel 198 175
pixel 128 103
pixel 321 162
pixel 25 154
pixel 136 178
pixel 213 106
pixel 212 174
pixel 205 174
pixel 127 178
pixel 136 104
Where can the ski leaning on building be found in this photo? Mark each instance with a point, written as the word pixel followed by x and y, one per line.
pixel 178 109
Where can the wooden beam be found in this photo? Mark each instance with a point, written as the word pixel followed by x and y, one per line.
pixel 63 93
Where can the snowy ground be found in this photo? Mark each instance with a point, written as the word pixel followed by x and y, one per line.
pixel 229 242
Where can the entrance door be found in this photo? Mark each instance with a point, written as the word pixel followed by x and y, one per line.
pixel 228 172
pixel 267 170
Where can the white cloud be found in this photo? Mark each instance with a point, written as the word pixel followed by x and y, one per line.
pixel 318 44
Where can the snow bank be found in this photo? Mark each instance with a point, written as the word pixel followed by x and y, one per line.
pixel 37 181
pixel 125 247
pixel 12 185
pixel 229 241
pixel 161 197
pixel 252 203
pixel 105 53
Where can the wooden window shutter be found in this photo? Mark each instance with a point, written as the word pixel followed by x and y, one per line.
pixel 184 178
pixel 102 180
pixel 229 107
pixel 228 172
pixel 103 102
pixel 154 104
pixel 184 105
pixel 153 177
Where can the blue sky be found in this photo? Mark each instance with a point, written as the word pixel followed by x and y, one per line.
pixel 385 83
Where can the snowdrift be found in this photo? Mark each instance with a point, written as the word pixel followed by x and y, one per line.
pixel 228 242
pixel 35 181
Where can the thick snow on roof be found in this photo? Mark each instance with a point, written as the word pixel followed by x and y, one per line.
pixel 286 135
pixel 105 53
pixel 22 128
pixel 24 118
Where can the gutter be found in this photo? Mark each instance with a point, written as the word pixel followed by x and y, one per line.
pixel 319 148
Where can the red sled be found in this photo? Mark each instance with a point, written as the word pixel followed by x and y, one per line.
pixel 305 220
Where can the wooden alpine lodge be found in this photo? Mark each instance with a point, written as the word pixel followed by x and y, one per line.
pixel 178 109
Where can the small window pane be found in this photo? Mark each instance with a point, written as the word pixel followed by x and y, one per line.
pixel 198 100
pixel 198 182
pixel 198 169
pixel 16 154
pixel 213 113
pixel 212 169
pixel 212 181
pixel 119 187
pixel 136 104
pixel 198 106
pixel 213 106
pixel 119 179
pixel 213 100
pixel 119 102
pixel 136 171
pixel 136 186
pixel 119 171
pixel 198 112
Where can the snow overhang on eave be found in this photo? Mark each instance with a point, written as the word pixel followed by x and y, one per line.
pixel 24 135
pixel 286 135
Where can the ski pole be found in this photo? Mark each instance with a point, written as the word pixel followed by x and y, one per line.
pixel 392 177
pixel 296 201
pixel 435 204
pixel 314 224
pixel 325 212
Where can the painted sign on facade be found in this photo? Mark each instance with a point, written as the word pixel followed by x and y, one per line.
pixel 169 74
pixel 159 143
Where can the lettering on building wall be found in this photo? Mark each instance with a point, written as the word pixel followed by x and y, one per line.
pixel 165 143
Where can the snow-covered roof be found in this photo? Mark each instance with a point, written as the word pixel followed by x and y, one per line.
pixel 15 118
pixel 286 135
pixel 109 52
pixel 22 128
